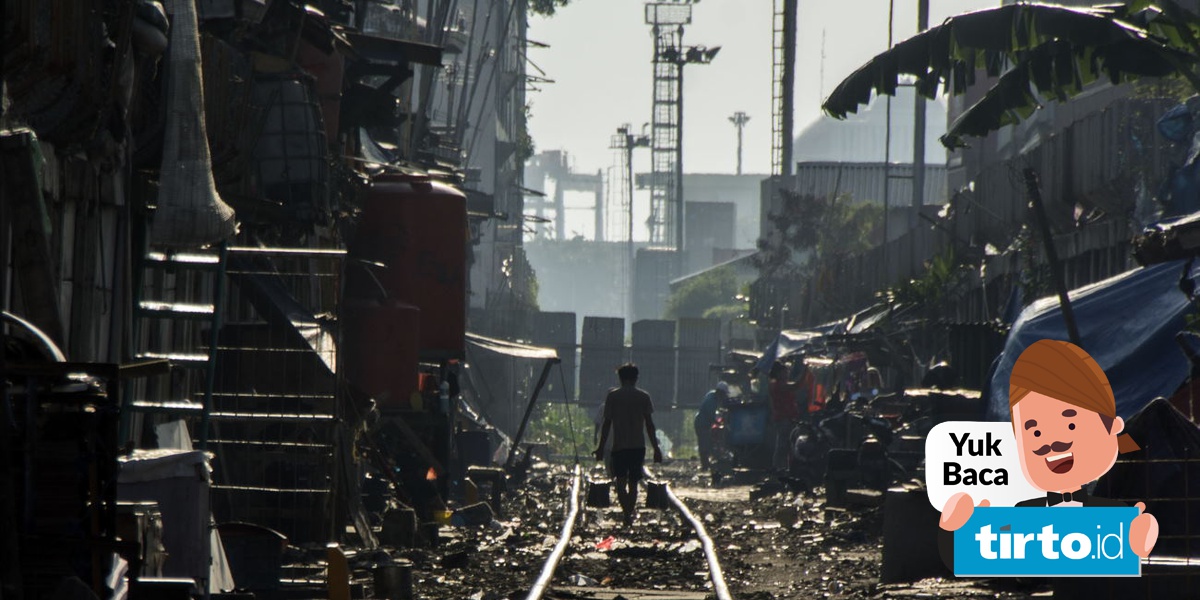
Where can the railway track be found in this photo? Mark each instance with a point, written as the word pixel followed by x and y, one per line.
pixel 573 515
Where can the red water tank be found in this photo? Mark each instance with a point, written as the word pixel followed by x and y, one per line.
pixel 417 228
pixel 329 71
pixel 379 349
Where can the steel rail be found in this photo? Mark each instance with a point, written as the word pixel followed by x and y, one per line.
pixel 543 580
pixel 710 553
pixel 720 588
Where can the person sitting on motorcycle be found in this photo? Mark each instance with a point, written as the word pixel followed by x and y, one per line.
pixel 704 421
pixel 874 382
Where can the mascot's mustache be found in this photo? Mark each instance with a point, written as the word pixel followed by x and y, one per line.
pixel 1056 447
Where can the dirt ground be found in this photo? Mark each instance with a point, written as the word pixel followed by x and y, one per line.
pixel 778 546
pixel 788 545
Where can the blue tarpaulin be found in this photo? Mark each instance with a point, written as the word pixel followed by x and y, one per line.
pixel 1128 323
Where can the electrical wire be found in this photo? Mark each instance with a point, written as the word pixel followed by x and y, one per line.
pixel 562 378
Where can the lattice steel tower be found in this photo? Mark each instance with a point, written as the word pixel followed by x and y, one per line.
pixel 783 83
pixel 666 133
pixel 666 21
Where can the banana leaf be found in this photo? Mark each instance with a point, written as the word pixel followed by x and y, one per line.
pixel 1035 50
pixel 1057 70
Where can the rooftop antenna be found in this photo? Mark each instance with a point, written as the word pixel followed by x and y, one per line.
pixel 822 85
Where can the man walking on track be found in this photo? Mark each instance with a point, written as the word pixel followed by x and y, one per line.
pixel 627 414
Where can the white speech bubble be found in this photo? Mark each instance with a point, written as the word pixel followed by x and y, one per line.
pixel 941 449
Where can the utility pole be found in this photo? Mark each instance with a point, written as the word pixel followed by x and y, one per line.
pixel 739 120
pixel 598 191
pixel 679 203
pixel 698 55
pixel 822 87
pixel 887 135
pixel 626 142
pixel 918 180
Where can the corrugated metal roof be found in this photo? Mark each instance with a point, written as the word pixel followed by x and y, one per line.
pixel 865 181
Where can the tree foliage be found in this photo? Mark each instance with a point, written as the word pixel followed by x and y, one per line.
pixel 546 8
pixel 566 428
pixel 520 283
pixel 1036 50
pixel 929 290
pixel 809 236
pixel 849 227
pixel 807 227
pixel 711 294
pixel 727 312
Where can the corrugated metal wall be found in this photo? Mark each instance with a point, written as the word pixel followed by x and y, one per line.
pixel 1096 162
pixel 557 330
pixel 676 361
pixel 653 351
pixel 849 284
pixel 699 349
pixel 602 350
pixel 865 181
pixel 655 268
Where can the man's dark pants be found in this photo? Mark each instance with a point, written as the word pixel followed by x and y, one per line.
pixel 627 463
pixel 704 441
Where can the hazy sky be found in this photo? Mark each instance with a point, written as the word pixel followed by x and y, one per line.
pixel 599 58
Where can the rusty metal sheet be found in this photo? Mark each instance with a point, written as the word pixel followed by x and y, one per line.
pixel 557 330
pixel 653 350
pixel 699 350
pixel 602 350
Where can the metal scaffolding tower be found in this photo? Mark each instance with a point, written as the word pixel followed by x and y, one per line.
pixel 666 134
pixel 667 21
pixel 783 84
pixel 554 165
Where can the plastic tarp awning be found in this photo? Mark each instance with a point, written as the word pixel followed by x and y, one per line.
pixel 512 349
pixel 791 342
pixel 1128 323
pixel 1169 239
pixel 502 376
pixel 867 319
pixel 788 343
pixel 379 48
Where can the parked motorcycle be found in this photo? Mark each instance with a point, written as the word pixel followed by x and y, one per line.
pixel 739 436
pixel 857 438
